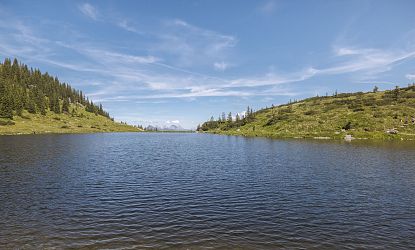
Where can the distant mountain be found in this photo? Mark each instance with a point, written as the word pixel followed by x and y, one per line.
pixel 172 127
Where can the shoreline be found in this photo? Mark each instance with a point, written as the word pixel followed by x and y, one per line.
pixel 69 132
pixel 394 138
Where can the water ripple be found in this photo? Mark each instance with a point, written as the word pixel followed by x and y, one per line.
pixel 189 191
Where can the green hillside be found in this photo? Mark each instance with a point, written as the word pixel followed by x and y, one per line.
pixel 374 115
pixel 32 102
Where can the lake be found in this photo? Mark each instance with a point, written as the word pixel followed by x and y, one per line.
pixel 192 191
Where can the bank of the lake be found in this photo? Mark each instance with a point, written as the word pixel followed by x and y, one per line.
pixel 379 115
pixel 79 121
pixel 317 136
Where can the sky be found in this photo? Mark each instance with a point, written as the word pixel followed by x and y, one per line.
pixel 181 62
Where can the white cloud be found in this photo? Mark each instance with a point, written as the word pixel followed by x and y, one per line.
pixel 410 77
pixel 115 57
pixel 89 11
pixel 220 66
pixel 268 7
pixel 124 24
pixel 190 45
pixel 173 121
pixel 272 78
pixel 370 60
pixel 120 76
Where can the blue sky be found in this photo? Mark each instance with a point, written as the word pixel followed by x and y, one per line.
pixel 164 62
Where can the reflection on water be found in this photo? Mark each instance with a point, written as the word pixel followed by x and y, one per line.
pixel 201 191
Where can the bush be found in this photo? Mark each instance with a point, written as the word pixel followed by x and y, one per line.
pixel 358 109
pixel 347 126
pixel 65 126
pixel 310 112
pixel 275 119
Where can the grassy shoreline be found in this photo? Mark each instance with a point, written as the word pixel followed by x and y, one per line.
pixel 387 115
pixel 79 122
pixel 300 137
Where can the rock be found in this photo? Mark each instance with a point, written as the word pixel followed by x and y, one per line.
pixel 392 131
pixel 348 138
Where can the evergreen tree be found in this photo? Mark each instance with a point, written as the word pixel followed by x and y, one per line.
pixel 23 88
pixel 229 120
pixel 396 93
pixel 30 104
pixel 65 105
pixel 56 106
pixel 6 101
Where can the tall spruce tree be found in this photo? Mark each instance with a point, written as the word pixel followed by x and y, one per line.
pixel 65 105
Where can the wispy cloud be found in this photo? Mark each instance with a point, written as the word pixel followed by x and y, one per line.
pixel 220 66
pixel 89 11
pixel 369 60
pixel 192 45
pixel 410 77
pixel 126 25
pixel 268 7
pixel 135 77
pixel 272 78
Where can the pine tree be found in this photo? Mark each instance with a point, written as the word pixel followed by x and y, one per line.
pixel 56 106
pixel 65 105
pixel 6 101
pixel 396 93
pixel 30 103
pixel 229 120
pixel 23 88
pixel 31 106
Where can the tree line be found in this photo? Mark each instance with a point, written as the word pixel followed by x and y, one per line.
pixel 228 120
pixel 22 88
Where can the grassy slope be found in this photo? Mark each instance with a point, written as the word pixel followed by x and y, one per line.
pixel 369 113
pixel 81 122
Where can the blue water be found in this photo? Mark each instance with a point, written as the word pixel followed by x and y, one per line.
pixel 160 190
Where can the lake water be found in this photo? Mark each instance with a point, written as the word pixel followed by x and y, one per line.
pixel 160 190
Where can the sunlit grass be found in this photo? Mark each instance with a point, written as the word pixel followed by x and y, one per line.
pixel 79 121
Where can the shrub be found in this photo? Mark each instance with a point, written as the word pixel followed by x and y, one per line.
pixel 347 126
pixel 273 120
pixel 310 112
pixel 358 109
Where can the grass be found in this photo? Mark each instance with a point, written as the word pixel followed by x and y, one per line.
pixel 362 115
pixel 78 122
